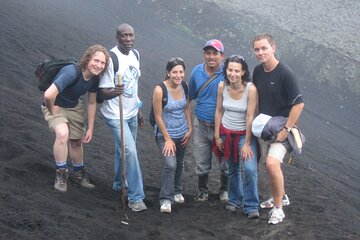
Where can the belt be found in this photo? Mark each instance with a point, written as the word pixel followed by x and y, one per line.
pixel 207 124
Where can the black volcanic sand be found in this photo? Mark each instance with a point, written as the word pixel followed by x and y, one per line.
pixel 323 184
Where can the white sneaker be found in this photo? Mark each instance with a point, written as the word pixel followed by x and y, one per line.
pixel 270 202
pixel 276 215
pixel 178 198
pixel 137 206
pixel 223 195
pixel 165 207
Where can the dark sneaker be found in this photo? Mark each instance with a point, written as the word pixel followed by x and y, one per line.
pixel 81 177
pixel 201 197
pixel 137 206
pixel 62 175
pixel 230 208
pixel 253 215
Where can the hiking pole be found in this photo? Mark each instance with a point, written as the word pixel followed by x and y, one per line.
pixel 123 158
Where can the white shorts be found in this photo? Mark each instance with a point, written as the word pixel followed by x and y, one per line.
pixel 277 151
pixel 274 150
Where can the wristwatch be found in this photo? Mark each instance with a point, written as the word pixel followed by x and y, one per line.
pixel 288 129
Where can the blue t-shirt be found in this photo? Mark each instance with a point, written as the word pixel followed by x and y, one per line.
pixel 71 89
pixel 206 100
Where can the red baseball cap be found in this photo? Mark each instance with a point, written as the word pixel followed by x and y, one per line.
pixel 214 43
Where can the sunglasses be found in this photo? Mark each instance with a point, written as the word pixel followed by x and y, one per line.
pixel 176 59
pixel 236 56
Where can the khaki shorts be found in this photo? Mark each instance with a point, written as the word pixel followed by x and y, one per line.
pixel 275 150
pixel 74 117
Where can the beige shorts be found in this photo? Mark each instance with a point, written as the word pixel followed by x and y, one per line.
pixel 275 150
pixel 74 117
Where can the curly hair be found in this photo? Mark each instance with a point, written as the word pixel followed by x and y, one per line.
pixel 89 53
pixel 238 59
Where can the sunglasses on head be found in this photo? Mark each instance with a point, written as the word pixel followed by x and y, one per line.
pixel 236 56
pixel 176 59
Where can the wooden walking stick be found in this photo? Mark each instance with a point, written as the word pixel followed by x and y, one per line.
pixel 123 158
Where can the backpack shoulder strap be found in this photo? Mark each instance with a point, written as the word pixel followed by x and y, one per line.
pixel 165 96
pixel 115 61
pixel 78 74
pixel 165 93
pixel 78 70
pixel 186 88
pixel 210 79
pixel 136 53
pixel 163 103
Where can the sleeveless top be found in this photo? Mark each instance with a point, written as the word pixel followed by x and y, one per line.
pixel 174 117
pixel 234 117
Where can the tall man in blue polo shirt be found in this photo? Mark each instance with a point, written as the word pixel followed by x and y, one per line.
pixel 205 116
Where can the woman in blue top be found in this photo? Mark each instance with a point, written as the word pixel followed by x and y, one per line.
pixel 173 129
pixel 235 110
pixel 65 113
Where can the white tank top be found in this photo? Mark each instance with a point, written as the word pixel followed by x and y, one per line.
pixel 234 117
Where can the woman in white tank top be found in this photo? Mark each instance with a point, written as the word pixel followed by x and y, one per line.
pixel 235 110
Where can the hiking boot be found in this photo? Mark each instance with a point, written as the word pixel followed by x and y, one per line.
pixel 178 198
pixel 165 207
pixel 223 196
pixel 253 215
pixel 270 202
pixel 201 197
pixel 276 215
pixel 230 208
pixel 203 183
pixel 137 206
pixel 62 175
pixel 224 182
pixel 81 177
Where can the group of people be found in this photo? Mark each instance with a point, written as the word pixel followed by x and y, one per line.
pixel 226 101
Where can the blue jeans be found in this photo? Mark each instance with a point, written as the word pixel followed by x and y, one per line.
pixel 171 179
pixel 134 180
pixel 244 196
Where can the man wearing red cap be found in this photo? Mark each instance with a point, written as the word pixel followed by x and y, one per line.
pixel 204 80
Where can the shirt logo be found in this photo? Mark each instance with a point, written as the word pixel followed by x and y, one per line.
pixel 130 80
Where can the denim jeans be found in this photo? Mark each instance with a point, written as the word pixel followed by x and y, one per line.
pixel 134 180
pixel 171 179
pixel 244 196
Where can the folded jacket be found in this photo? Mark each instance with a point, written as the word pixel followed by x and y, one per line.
pixel 267 128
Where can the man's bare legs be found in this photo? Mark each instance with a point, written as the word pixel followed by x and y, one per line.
pixel 273 167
